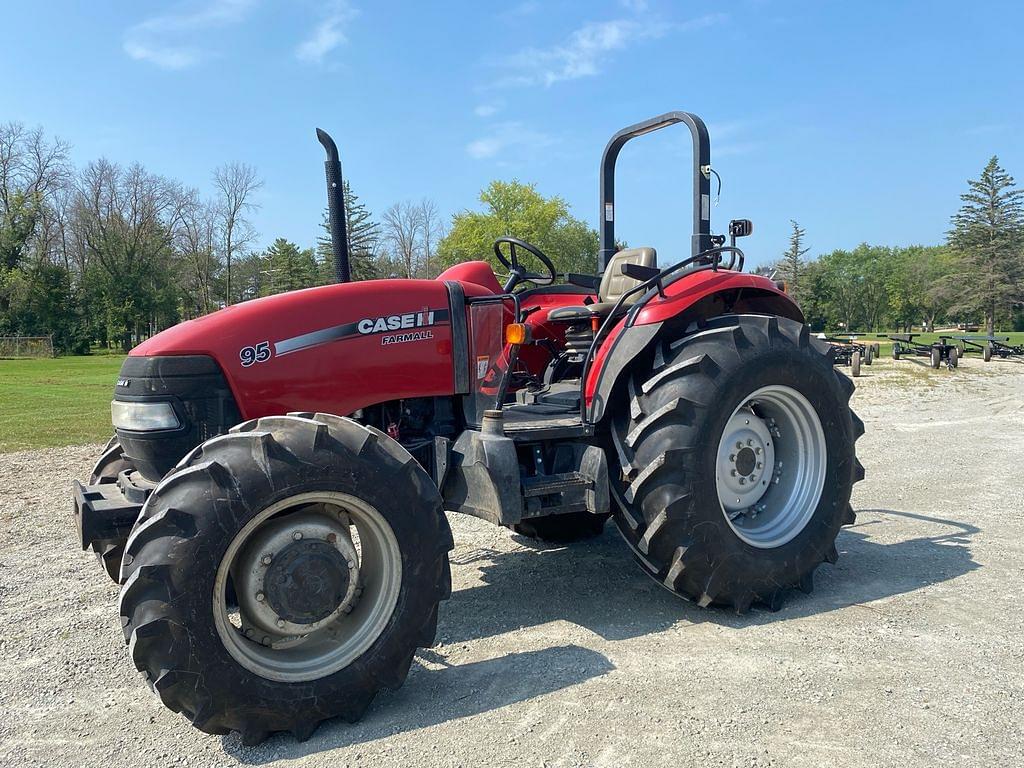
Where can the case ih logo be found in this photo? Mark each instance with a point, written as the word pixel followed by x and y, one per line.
pixel 410 323
pixel 396 322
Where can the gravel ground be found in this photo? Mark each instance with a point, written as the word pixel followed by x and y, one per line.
pixel 909 652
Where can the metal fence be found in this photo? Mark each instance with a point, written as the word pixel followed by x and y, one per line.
pixel 26 346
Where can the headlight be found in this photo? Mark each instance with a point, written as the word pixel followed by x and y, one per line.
pixel 143 417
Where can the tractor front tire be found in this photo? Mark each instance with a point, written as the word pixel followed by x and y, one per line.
pixel 334 540
pixel 936 358
pixel 987 353
pixel 110 464
pixel 895 351
pixel 855 363
pixel 562 529
pixel 713 402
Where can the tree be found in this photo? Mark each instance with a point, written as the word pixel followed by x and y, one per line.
pixel 431 231
pixel 363 240
pixel 289 267
pixel 988 236
pixel 791 265
pixel 517 209
pixel 402 232
pixel 236 183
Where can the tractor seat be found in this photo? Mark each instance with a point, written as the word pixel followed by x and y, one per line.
pixel 613 285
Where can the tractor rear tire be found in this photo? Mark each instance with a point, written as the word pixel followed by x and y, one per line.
pixel 936 358
pixel 110 464
pixel 669 435
pixel 855 363
pixel 260 507
pixel 562 529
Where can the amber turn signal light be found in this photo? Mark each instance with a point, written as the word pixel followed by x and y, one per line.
pixel 517 333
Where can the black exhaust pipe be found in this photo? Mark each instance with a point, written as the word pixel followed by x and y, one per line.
pixel 336 209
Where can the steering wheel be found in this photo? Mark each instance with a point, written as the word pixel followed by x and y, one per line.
pixel 516 273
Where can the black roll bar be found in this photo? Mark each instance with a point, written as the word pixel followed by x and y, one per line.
pixel 700 240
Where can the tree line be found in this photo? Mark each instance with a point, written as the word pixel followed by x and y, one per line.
pixel 109 254
pixel 975 278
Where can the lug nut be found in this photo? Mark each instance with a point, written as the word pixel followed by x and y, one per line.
pixel 739 445
pixel 733 472
pixel 757 451
pixel 351 565
pixel 749 441
pixel 743 481
pixel 732 457
pixel 265 640
pixel 297 535
pixel 260 597
pixel 280 622
pixel 746 421
pixel 759 465
pixel 267 559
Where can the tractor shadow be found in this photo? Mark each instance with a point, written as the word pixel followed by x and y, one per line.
pixel 438 693
pixel 596 585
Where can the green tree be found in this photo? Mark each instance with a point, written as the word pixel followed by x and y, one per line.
pixel 518 210
pixel 288 268
pixel 791 265
pixel 363 237
pixel 988 236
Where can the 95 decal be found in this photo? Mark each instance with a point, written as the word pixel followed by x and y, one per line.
pixel 257 354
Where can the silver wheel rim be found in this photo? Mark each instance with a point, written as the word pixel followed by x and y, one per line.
pixel 350 532
pixel 770 467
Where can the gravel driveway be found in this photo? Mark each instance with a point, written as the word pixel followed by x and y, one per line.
pixel 909 652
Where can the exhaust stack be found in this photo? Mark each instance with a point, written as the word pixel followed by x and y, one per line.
pixel 336 208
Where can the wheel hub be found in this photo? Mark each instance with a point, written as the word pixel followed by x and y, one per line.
pixel 306 582
pixel 746 460
pixel 770 468
pixel 296 574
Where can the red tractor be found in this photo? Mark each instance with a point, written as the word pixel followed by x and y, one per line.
pixel 273 501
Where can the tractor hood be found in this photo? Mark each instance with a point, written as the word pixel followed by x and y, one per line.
pixel 335 348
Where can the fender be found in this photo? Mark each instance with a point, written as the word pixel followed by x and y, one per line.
pixel 695 297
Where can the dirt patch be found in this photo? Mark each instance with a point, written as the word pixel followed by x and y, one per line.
pixel 908 652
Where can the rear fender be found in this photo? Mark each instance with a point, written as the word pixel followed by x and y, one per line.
pixel 688 301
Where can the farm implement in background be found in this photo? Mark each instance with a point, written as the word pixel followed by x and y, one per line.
pixel 937 352
pixel 850 351
pixel 988 346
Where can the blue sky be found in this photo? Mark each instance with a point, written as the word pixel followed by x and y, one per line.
pixel 860 119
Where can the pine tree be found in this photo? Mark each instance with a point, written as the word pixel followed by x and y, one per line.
pixel 791 266
pixel 288 268
pixel 363 236
pixel 988 237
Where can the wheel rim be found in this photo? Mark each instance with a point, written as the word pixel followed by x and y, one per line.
pixel 770 468
pixel 317 577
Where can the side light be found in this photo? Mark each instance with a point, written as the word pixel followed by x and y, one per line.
pixel 143 417
pixel 517 333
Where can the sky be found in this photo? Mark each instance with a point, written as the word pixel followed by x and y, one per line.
pixel 862 120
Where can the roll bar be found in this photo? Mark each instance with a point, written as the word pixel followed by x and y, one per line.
pixel 700 240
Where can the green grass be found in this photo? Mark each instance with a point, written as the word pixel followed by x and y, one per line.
pixel 52 402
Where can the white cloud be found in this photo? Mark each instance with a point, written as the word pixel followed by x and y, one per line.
pixel 328 34
pixel 487 110
pixel 158 39
pixel 588 48
pixel 505 136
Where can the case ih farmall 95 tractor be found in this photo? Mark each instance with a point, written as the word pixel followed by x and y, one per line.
pixel 273 501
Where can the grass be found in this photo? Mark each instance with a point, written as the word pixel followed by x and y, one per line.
pixel 47 403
